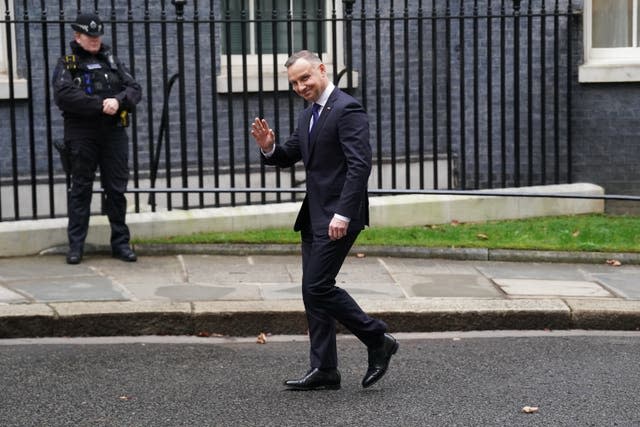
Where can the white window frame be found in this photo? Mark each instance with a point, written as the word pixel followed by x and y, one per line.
pixel 609 64
pixel 19 85
pixel 267 60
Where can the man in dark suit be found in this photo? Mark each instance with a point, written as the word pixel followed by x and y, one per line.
pixel 332 140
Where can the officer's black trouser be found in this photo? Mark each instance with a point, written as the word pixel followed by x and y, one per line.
pixel 106 147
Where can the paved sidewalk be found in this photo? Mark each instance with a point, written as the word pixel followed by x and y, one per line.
pixel 243 291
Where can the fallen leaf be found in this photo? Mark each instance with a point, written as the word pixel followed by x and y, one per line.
pixel 614 262
pixel 530 409
pixel 262 338
pixel 482 236
pixel 455 222
pixel 207 334
pixel 576 233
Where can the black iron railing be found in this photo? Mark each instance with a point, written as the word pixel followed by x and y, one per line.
pixel 462 95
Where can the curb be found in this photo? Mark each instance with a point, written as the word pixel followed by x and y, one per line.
pixel 287 317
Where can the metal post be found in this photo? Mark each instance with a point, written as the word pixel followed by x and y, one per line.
pixel 516 92
pixel 462 92
pixel 348 16
pixel 179 5
pixel 12 112
pixel 569 82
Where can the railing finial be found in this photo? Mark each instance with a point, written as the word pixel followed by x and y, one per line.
pixel 179 4
pixel 348 6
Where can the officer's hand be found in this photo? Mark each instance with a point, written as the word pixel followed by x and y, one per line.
pixel 263 134
pixel 110 106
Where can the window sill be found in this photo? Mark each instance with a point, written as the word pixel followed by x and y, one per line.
pixel 19 88
pixel 253 82
pixel 606 72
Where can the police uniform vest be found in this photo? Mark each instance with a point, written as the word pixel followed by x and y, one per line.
pixel 98 75
pixel 95 75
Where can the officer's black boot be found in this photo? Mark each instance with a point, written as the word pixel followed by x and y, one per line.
pixel 79 211
pixel 74 256
pixel 116 206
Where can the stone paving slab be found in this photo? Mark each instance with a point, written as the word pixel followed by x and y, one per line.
pixel 39 267
pixel 427 266
pixel 439 278
pixel 626 284
pixel 556 288
pixel 446 285
pixel 506 270
pixel 388 291
pixel 206 270
pixel 196 292
pixel 87 288
pixel 368 270
pixel 9 296
pixel 146 271
pixel 281 291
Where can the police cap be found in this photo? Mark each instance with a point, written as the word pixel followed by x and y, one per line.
pixel 89 24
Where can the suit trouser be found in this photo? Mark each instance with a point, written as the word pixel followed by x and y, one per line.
pixel 107 148
pixel 325 303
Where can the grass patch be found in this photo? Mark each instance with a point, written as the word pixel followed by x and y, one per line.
pixel 600 233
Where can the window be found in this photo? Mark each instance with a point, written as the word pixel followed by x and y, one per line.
pixel 259 35
pixel 19 85
pixel 611 41
pixel 310 26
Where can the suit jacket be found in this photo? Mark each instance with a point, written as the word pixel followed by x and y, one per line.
pixel 337 160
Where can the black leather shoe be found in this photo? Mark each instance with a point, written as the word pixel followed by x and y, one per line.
pixel 124 254
pixel 379 360
pixel 316 379
pixel 74 256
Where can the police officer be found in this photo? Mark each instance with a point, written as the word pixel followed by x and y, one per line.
pixel 95 93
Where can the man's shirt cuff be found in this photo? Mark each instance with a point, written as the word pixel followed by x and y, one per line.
pixel 342 218
pixel 270 153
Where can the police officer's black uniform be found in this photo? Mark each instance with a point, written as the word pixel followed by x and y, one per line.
pixel 81 82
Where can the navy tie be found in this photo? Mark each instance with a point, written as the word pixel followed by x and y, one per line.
pixel 315 114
